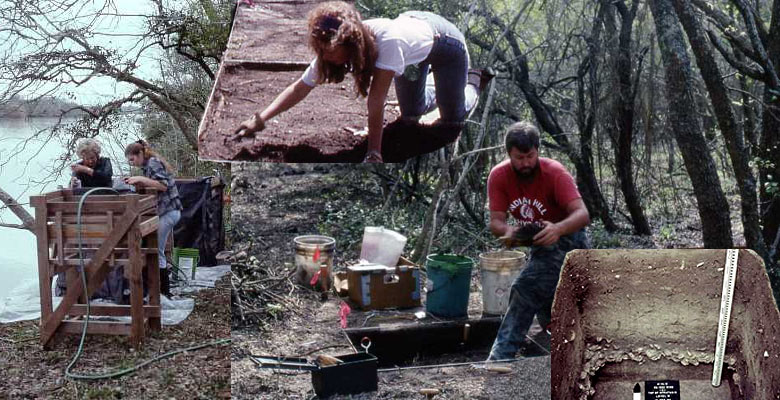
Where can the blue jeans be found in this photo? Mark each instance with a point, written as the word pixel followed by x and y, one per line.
pixel 164 228
pixel 449 61
pixel 532 294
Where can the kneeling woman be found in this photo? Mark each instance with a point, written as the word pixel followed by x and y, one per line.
pixel 376 52
pixel 157 175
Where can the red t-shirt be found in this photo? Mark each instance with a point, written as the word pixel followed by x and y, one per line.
pixel 543 198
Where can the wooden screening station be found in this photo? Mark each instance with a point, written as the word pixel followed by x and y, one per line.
pixel 116 230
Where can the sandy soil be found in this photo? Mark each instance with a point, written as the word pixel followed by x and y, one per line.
pixel 30 372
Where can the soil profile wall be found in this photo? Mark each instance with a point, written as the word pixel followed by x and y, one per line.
pixel 645 308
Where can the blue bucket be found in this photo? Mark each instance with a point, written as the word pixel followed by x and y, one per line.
pixel 447 286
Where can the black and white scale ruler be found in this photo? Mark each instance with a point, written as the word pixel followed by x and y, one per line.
pixel 729 276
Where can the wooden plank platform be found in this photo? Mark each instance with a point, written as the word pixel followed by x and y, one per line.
pixel 116 230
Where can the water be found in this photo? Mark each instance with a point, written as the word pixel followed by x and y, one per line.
pixel 37 167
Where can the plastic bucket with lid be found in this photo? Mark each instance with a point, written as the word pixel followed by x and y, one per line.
pixel 314 254
pixel 382 246
pixel 499 270
pixel 447 286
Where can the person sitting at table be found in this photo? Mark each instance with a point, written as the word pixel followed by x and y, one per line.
pixel 92 170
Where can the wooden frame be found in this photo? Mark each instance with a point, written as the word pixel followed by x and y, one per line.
pixel 116 230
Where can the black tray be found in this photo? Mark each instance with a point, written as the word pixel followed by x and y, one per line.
pixel 357 374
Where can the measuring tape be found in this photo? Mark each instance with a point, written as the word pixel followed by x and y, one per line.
pixel 729 276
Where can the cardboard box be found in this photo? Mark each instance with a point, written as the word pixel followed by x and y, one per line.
pixel 376 287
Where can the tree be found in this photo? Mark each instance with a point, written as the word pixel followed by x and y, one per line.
pixel 712 205
pixel 621 118
pixel 50 47
pixel 727 123
pixel 514 59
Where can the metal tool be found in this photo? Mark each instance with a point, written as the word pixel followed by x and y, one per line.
pixel 365 343
pixel 729 277
pixel 298 364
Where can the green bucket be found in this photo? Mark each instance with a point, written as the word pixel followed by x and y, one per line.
pixel 447 286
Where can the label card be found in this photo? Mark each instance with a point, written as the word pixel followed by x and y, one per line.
pixel 662 390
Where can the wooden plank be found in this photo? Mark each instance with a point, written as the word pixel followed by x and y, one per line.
pixel 149 226
pixel 44 277
pixel 60 244
pixel 68 206
pixel 148 204
pixel 87 242
pixel 153 281
pixel 110 225
pixel 96 273
pixel 114 310
pixel 95 327
pixel 37 201
pixel 57 194
pixel 136 286
pixel 70 264
pixel 118 250
pixel 70 232
pixel 73 279
pixel 70 218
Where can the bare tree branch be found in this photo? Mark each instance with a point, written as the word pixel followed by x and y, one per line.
pixel 27 220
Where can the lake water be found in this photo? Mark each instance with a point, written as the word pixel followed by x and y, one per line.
pixel 29 170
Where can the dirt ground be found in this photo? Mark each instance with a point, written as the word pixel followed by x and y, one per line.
pixel 273 203
pixel 29 372
pixel 627 316
pixel 322 128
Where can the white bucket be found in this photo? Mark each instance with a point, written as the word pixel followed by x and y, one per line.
pixel 499 270
pixel 382 246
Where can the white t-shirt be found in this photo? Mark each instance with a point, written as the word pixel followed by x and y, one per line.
pixel 400 42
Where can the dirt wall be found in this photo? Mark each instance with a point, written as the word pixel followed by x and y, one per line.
pixel 646 306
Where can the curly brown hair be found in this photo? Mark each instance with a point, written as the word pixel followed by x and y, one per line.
pixel 337 23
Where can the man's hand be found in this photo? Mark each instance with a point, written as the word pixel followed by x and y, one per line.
pixel 509 236
pixel 250 126
pixel 549 235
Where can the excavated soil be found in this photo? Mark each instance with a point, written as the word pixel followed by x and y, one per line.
pixel 627 316
pixel 319 129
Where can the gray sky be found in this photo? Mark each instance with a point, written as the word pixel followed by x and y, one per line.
pixel 116 32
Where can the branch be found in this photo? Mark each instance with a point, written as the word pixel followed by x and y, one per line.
pixel 727 25
pixel 758 45
pixel 28 222
pixel 730 58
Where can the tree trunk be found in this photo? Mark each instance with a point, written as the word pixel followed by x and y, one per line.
pixel 770 145
pixel 650 108
pixel 623 113
pixel 727 122
pixel 586 178
pixel 712 204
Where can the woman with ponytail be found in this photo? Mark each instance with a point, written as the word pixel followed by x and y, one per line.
pixel 158 175
pixel 378 52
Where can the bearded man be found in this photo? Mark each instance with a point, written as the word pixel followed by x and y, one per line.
pixel 542 197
